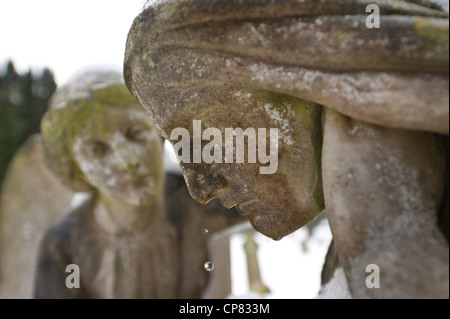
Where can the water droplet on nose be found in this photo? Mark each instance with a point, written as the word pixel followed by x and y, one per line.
pixel 209 266
pixel 206 230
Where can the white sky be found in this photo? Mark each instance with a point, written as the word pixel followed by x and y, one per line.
pixel 65 36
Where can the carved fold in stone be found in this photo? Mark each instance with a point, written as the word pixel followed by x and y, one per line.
pixel 318 51
pixel 383 188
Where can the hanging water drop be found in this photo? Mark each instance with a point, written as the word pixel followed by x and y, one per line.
pixel 353 130
pixel 209 266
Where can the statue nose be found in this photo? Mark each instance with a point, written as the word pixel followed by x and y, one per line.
pixel 203 189
pixel 126 158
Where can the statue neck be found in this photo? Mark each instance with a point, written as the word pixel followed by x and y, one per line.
pixel 118 218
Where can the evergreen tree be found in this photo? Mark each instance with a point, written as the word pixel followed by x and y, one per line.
pixel 23 100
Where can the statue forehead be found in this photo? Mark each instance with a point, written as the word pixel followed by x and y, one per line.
pixel 231 107
pixel 75 114
pixel 103 121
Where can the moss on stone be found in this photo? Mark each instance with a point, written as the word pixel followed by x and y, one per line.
pixel 78 112
pixel 213 60
pixel 437 34
pixel 309 114
pixel 60 127
pixel 151 63
pixel 342 36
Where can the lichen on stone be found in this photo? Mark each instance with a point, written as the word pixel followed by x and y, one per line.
pixel 62 126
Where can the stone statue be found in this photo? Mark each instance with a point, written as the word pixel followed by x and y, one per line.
pixel 31 200
pixel 137 235
pixel 360 114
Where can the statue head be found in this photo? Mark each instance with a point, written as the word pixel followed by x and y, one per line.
pixel 97 138
pixel 277 197
pixel 260 152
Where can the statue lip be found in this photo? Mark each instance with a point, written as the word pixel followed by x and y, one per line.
pixel 247 203
pixel 224 203
pixel 242 206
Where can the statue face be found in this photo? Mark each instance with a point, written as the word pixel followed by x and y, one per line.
pixel 276 204
pixel 120 156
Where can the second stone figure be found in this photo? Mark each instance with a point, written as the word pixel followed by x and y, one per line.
pixel 137 235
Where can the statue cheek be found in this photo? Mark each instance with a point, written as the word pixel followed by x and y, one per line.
pixel 101 173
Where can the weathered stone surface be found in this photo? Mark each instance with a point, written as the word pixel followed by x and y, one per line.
pixel 219 60
pixel 84 111
pixel 319 51
pixel 383 188
pixel 283 201
pixel 32 199
pixel 164 260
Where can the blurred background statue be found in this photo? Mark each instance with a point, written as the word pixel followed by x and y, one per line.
pixel 362 114
pixel 138 235
pixel 32 199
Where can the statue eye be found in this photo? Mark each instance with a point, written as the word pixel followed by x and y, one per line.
pixel 136 133
pixel 98 149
